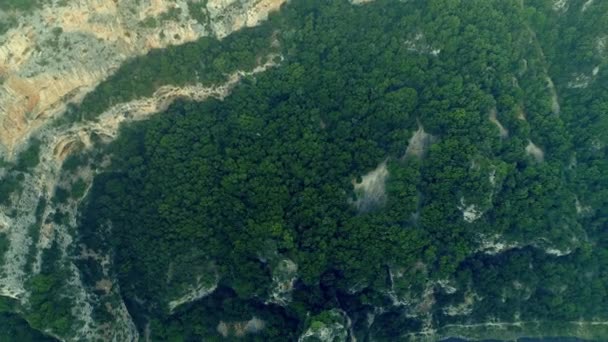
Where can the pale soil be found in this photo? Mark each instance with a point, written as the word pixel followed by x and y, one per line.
pixel 419 143
pixel 284 276
pixel 371 190
pixel 96 36
pixel 241 328
pixel 587 4
pixel 56 145
pixel 555 107
pixel 503 132
pixel 536 152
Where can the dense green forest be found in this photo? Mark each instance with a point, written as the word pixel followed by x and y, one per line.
pixel 19 4
pixel 224 193
pixel 266 174
pixel 13 328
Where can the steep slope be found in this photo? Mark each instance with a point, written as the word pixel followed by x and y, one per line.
pixel 375 160
pixel 412 170
pixel 62 50
pixel 54 56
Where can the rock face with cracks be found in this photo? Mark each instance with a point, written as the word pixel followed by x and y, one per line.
pixel 54 57
pixel 61 51
pixel 31 96
pixel 42 183
pixel 371 191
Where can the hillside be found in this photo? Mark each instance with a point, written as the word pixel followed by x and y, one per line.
pixel 362 171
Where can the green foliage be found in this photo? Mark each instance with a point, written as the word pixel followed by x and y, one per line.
pixel 224 306
pixel 572 45
pixel 14 328
pixel 78 189
pixel 198 11
pixel 61 195
pixel 4 245
pixel 172 13
pixel 22 5
pixel 72 162
pixel 29 158
pixel 228 187
pixel 50 306
pixel 150 22
pixel 10 184
pixel 206 61
pixel 7 23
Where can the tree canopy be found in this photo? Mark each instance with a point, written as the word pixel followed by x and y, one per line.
pixel 500 217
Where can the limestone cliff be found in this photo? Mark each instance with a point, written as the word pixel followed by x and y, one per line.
pixel 54 56
pixel 59 52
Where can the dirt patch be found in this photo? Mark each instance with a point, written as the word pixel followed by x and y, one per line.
pixel 536 152
pixel 419 143
pixel 555 107
pixel 241 328
pixel 104 285
pixel 470 212
pixel 371 191
pixel 503 132
pixel 521 114
pixel 63 50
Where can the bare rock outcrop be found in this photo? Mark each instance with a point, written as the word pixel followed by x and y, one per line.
pixel 60 52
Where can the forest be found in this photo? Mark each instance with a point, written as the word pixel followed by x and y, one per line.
pixel 490 222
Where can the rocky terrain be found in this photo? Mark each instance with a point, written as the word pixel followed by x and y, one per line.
pixel 53 57
pixel 58 53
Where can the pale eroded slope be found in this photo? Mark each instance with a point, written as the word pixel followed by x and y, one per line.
pixel 62 51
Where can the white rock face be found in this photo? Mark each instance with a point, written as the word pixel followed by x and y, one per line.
pixel 62 51
pixel 200 290
pixel 359 2
pixel 557 252
pixel 57 144
pixel 445 286
pixel 284 277
pixel 462 309
pixel 415 300
pixel 495 244
pixel 418 44
pixel 579 81
pixel 371 191
pixel 470 213
pixel 580 208
pixel 601 44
